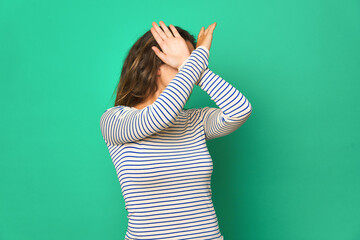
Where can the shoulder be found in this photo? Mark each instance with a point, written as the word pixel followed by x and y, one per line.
pixel 116 111
pixel 119 108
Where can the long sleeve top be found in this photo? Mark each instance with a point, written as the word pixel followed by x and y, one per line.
pixel 161 158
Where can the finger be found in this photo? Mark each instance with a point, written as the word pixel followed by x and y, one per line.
pixel 166 30
pixel 159 31
pixel 212 27
pixel 157 37
pixel 207 29
pixel 174 31
pixel 201 32
pixel 158 53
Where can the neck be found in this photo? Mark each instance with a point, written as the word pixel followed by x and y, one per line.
pixel 150 100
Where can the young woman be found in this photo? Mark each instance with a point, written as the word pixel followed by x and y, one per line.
pixel 158 148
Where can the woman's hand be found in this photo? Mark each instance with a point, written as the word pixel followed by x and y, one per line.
pixel 205 36
pixel 174 48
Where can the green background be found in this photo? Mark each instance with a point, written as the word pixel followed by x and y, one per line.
pixel 292 171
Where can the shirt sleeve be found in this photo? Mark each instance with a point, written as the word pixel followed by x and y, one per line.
pixel 121 124
pixel 234 109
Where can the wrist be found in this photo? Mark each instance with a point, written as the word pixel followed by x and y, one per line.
pixel 201 46
pixel 182 64
pixel 205 48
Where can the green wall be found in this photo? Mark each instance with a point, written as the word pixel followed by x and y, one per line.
pixel 292 171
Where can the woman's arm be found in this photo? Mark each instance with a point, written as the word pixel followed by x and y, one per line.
pixel 123 124
pixel 234 109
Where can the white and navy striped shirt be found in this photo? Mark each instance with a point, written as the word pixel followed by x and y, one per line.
pixel 161 157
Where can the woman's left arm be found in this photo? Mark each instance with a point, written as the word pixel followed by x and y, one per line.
pixel 234 109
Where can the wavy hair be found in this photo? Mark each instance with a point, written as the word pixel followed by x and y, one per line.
pixel 138 78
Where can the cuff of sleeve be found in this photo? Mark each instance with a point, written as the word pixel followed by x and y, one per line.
pixel 183 64
pixel 206 49
pixel 203 47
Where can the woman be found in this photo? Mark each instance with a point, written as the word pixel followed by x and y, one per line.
pixel 159 149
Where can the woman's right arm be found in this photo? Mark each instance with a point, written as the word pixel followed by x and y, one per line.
pixel 123 124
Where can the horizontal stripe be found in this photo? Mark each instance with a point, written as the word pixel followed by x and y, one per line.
pixel 161 157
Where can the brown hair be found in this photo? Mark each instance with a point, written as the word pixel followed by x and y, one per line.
pixel 138 78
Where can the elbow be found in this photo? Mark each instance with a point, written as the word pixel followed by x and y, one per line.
pixel 249 110
pixel 111 139
pixel 109 136
pixel 241 115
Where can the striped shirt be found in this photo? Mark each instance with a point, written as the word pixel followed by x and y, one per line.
pixel 161 157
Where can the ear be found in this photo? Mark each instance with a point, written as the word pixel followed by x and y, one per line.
pixel 159 71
